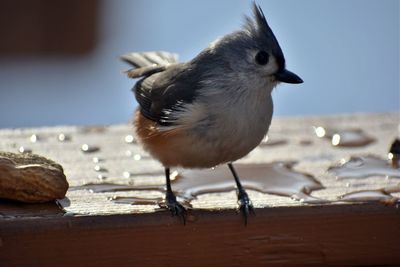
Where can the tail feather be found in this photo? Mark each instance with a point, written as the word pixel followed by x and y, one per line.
pixel 144 71
pixel 146 59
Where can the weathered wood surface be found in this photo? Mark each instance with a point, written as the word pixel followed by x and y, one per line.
pixel 314 155
pixel 284 231
pixel 349 235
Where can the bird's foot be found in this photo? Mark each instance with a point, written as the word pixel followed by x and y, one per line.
pixel 175 207
pixel 245 205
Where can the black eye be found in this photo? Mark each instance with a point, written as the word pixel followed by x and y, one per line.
pixel 262 58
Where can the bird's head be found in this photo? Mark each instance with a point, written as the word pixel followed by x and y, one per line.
pixel 254 51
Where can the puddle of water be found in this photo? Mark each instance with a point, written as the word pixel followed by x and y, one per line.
pixel 136 200
pixel 160 202
pixel 128 174
pixel 274 178
pixel 382 195
pixel 361 167
pixel 344 138
pixel 112 187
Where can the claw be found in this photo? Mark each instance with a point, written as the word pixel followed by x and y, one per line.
pixel 175 207
pixel 245 205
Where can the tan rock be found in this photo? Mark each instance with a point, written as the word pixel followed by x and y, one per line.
pixel 31 178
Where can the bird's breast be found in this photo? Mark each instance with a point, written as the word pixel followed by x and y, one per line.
pixel 235 126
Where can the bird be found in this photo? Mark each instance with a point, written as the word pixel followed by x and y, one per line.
pixel 213 109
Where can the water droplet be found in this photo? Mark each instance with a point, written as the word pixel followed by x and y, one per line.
pixel 360 167
pixel 22 149
pixel 129 139
pixel 174 175
pixel 320 131
pixel 369 196
pixel 33 138
pixel 101 177
pixel 63 138
pixel 126 174
pixel 98 168
pixel 96 160
pixel 89 149
pixel 394 153
pixel 335 139
pixel 137 157
pixel 128 153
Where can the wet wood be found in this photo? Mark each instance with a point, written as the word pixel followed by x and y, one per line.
pixel 341 235
pixel 92 230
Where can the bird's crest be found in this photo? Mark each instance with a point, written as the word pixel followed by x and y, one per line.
pixel 259 29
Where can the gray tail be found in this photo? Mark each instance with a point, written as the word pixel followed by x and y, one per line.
pixel 146 59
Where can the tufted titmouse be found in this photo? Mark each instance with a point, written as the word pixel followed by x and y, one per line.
pixel 213 109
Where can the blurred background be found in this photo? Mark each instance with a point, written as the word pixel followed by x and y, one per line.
pixel 59 59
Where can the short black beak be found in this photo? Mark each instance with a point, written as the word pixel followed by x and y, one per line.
pixel 287 77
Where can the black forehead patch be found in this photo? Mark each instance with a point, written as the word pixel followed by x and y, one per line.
pixel 280 60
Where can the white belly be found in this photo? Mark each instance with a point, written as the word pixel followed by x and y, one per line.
pixel 232 132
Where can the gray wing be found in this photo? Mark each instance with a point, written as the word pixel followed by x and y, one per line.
pixel 166 86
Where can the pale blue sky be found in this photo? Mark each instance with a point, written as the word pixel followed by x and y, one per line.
pixel 346 51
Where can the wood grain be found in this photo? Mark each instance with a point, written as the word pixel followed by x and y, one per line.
pixel 342 235
pixel 88 229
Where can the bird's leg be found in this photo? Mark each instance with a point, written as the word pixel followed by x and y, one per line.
pixel 172 204
pixel 245 205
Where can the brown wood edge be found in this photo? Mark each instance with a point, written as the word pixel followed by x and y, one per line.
pixel 195 216
pixel 336 235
